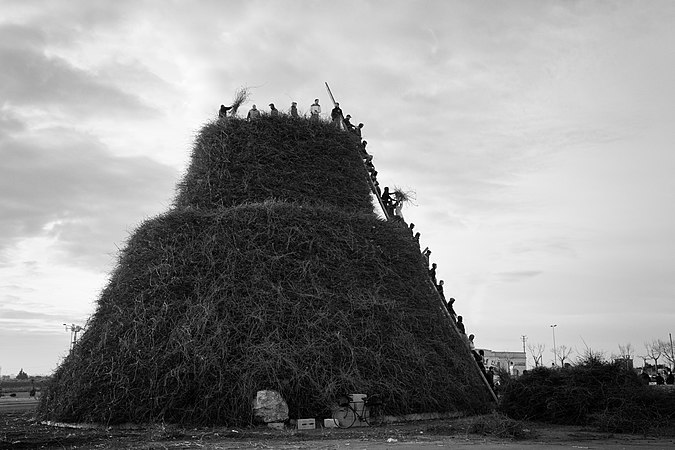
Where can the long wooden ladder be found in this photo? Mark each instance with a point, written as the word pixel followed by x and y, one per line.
pixel 430 283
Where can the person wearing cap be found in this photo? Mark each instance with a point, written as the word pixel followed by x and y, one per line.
pixel 348 123
pixel 294 110
pixel 274 112
pixel 315 110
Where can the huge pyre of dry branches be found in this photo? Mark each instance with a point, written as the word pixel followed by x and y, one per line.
pixel 271 271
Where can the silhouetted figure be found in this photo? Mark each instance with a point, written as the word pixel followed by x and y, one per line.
pixel 670 379
pixel 336 115
pixel 460 325
pixel 472 345
pixel 294 110
pixel 426 253
pixel 315 110
pixel 222 112
pixel 659 379
pixel 253 113
pixel 388 201
pixel 357 129
pixel 451 309
pixel 432 273
pixel 274 112
pixel 411 227
pixel 348 123
pixel 362 150
pixel 439 288
pixel 417 237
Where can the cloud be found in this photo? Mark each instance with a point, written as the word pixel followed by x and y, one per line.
pixel 59 183
pixel 9 123
pixel 64 22
pixel 517 275
pixel 18 315
pixel 29 78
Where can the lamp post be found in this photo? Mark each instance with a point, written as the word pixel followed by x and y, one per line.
pixel 74 329
pixel 555 353
pixel 672 357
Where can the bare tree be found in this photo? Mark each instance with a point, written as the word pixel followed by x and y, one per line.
pixel 562 353
pixel 625 355
pixel 626 351
pixel 666 351
pixel 537 352
pixel 654 351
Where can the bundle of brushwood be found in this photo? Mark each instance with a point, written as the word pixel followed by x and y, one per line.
pixel 271 271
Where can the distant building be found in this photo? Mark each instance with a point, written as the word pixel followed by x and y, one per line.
pixel 625 362
pixel 513 362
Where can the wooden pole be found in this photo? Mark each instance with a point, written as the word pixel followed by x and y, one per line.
pixel 330 94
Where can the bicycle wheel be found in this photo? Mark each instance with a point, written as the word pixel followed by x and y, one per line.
pixel 344 416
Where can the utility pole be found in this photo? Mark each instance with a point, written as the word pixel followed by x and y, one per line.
pixel 555 353
pixel 74 329
pixel 672 358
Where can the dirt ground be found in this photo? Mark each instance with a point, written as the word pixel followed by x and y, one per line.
pixel 19 430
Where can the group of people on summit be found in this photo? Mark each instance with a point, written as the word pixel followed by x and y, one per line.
pixel 337 118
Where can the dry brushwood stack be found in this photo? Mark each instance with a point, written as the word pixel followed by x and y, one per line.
pixel 271 271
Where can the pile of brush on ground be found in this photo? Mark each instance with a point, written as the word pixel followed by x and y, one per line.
pixel 593 392
pixel 211 302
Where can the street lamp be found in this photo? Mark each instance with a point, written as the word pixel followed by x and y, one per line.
pixel 555 353
pixel 74 329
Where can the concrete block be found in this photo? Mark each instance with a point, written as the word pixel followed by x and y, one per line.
pixel 306 424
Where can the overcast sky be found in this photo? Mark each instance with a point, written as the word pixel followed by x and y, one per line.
pixel 536 136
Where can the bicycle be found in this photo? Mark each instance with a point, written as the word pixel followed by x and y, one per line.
pixel 346 415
